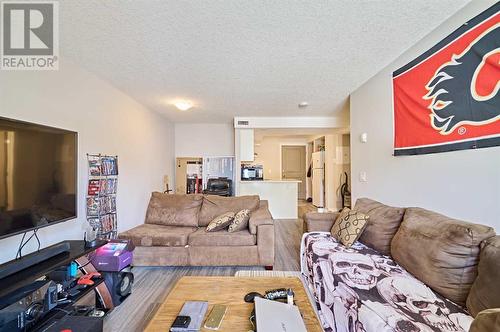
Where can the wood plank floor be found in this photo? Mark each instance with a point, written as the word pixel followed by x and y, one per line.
pixel 305 207
pixel 152 284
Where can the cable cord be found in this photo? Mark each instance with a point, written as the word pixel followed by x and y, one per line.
pixel 37 240
pixel 22 245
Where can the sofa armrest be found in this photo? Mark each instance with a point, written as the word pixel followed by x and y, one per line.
pixel 261 216
pixel 264 204
pixel 265 244
pixel 320 222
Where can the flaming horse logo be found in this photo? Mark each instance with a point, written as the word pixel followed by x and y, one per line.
pixel 465 89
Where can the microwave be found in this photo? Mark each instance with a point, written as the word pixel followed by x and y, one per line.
pixel 250 173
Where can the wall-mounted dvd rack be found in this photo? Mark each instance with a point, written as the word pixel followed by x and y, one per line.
pixel 101 194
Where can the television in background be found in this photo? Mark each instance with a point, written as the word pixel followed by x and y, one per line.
pixel 38 176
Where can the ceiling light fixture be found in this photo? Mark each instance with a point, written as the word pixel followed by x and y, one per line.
pixel 183 105
pixel 303 104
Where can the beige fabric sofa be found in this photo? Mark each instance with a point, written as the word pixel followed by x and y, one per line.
pixel 174 232
pixel 457 259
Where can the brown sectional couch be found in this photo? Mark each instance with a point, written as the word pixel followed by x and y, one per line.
pixel 447 251
pixel 174 232
pixel 457 259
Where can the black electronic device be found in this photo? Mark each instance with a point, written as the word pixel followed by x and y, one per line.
pixel 43 181
pixel 27 305
pixel 82 310
pixel 219 186
pixel 76 324
pixel 181 321
pixel 119 285
pixel 32 259
pixel 250 297
pixel 252 173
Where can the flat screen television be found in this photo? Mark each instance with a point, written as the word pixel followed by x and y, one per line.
pixel 38 176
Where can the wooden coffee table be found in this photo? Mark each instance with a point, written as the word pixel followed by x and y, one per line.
pixel 229 291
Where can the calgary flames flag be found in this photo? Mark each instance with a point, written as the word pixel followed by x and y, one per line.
pixel 447 99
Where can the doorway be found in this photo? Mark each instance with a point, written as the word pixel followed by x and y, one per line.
pixel 293 166
pixel 188 175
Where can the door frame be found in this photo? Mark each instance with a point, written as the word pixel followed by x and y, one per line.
pixel 305 157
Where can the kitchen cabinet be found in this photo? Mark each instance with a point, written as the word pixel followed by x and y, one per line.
pixel 246 145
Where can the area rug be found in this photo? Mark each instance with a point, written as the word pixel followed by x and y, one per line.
pixel 268 274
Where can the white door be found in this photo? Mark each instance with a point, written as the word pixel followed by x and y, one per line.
pixel 318 187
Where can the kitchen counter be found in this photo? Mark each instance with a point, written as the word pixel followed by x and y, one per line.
pixel 271 181
pixel 282 195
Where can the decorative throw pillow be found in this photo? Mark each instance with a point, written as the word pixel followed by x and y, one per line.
pixel 349 226
pixel 220 222
pixel 240 221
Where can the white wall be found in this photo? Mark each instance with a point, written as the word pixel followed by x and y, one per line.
pixel 107 121
pixel 204 139
pixel 461 184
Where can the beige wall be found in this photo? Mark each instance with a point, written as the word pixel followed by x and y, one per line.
pixel 268 151
pixel 204 139
pixel 461 184
pixel 107 121
pixel 269 154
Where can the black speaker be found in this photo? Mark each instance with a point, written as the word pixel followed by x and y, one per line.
pixel 119 285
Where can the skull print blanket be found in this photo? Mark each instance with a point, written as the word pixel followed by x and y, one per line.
pixel 359 289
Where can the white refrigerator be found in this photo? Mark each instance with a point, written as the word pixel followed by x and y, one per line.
pixel 318 179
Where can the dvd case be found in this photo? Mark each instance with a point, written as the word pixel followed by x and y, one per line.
pixel 101 194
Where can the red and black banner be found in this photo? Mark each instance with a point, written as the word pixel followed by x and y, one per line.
pixel 448 98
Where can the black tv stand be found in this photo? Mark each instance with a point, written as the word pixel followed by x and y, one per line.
pixel 21 272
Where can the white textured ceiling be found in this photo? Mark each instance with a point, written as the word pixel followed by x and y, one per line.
pixel 243 58
pixel 297 132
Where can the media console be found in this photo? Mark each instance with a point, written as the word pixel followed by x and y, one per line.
pixel 26 273
pixel 28 290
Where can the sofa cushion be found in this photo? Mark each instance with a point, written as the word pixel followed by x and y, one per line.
pixel 161 256
pixel 202 238
pixel 173 210
pixel 220 222
pixel 485 291
pixel 223 256
pixel 384 223
pixel 150 235
pixel 240 221
pixel 486 320
pixel 359 289
pixel 214 206
pixel 441 251
pixel 349 226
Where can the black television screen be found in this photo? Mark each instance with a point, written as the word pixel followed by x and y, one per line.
pixel 38 176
